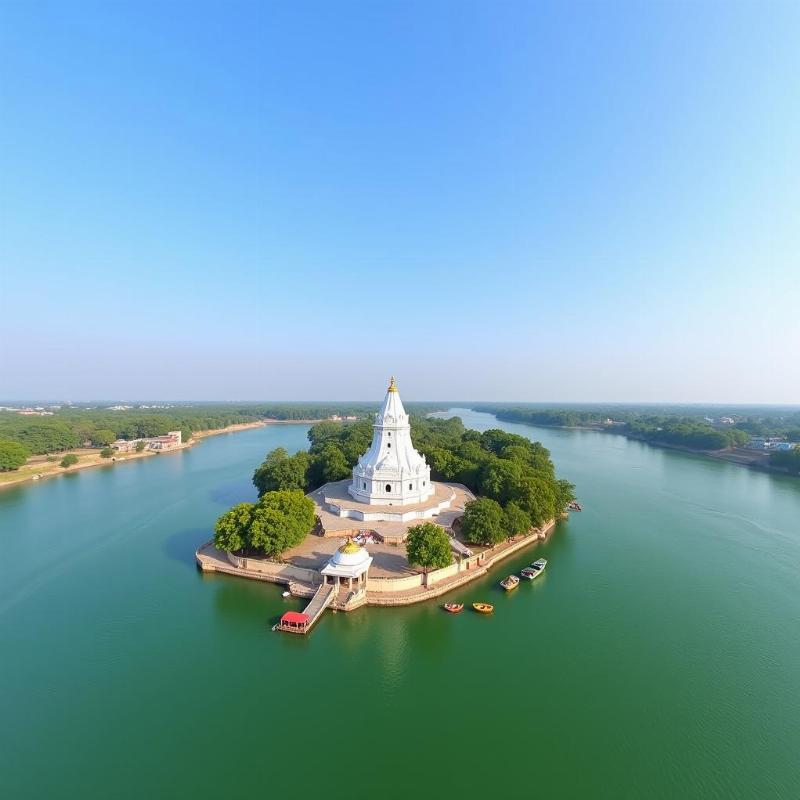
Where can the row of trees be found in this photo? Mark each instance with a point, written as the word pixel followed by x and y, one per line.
pixel 279 521
pixel 73 426
pixel 685 426
pixel 684 433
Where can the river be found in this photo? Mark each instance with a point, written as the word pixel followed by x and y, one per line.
pixel 658 656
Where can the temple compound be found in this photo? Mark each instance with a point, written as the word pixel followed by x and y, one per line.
pixel 389 491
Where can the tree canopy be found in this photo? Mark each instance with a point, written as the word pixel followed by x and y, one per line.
pixel 12 455
pixel 103 437
pixel 68 460
pixel 279 521
pixel 482 522
pixel 428 546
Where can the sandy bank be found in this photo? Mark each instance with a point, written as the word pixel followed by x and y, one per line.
pixel 38 468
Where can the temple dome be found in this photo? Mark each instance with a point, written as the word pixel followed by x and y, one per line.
pixel 350 554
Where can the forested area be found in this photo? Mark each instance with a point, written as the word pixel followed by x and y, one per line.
pixel 686 433
pixel 74 426
pixel 682 426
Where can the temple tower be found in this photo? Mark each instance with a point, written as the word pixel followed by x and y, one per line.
pixel 391 472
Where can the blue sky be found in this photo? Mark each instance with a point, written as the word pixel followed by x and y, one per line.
pixel 522 201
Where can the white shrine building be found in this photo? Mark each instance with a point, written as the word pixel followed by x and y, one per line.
pixel 391 472
pixel 391 482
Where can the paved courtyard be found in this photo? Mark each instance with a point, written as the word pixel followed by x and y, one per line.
pixel 389 561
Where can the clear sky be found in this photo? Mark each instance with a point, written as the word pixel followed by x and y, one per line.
pixel 495 200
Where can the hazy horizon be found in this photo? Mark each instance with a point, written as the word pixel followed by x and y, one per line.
pixel 453 403
pixel 586 200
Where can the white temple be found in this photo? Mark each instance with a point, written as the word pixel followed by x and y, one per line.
pixel 391 472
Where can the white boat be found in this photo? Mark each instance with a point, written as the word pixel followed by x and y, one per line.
pixel 286 594
pixel 534 570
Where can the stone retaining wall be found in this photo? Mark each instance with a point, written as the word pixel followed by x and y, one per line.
pixel 405 590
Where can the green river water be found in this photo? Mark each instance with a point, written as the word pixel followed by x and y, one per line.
pixel 659 655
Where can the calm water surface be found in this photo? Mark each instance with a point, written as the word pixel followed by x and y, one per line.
pixel 659 656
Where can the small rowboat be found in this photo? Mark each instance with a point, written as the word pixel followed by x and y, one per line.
pixel 453 608
pixel 509 583
pixel 574 506
pixel 483 608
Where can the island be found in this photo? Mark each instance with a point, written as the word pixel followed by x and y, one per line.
pixel 389 512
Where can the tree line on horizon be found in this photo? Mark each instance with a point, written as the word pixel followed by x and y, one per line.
pixel 676 429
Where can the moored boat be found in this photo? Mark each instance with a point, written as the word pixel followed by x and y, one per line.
pixel 453 608
pixel 509 583
pixel 483 608
pixel 529 573
pixel 574 506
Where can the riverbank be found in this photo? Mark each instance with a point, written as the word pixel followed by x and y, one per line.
pixel 754 459
pixel 39 468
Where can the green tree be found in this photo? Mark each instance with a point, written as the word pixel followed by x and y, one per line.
pixel 139 446
pixel 280 471
pixel 103 437
pixel 232 529
pixel 12 455
pixel 106 452
pixel 428 546
pixel 482 522
pixel 515 520
pixel 281 520
pixel 333 464
pixel 68 460
pixel 536 495
pixel 499 478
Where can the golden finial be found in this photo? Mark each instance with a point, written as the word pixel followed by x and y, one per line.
pixel 392 385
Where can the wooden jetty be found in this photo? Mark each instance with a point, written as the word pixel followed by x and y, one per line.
pixel 302 622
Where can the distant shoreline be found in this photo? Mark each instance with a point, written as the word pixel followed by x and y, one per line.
pixel 736 455
pixel 48 469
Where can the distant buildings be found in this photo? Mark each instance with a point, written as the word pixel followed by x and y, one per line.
pixel 169 441
pixel 769 443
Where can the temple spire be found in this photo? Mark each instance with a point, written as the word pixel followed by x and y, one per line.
pixel 392 385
